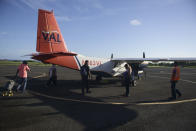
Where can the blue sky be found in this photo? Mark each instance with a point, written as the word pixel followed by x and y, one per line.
pixel 161 28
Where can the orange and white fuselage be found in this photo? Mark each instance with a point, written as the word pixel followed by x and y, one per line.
pixel 52 48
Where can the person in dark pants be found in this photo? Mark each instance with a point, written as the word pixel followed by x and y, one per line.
pixel 85 74
pixel 174 79
pixel 53 76
pixel 127 78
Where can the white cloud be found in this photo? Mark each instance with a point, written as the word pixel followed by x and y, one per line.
pixel 63 18
pixel 135 22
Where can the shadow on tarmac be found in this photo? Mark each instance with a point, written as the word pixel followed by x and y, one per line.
pixel 91 116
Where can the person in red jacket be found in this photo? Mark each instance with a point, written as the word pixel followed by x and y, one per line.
pixel 22 71
pixel 174 79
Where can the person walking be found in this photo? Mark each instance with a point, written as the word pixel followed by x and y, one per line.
pixel 22 71
pixel 85 74
pixel 127 78
pixel 175 77
pixel 52 76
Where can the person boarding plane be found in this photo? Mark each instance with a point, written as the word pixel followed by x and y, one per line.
pixel 52 48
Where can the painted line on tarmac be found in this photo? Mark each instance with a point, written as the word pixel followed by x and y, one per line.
pixel 42 75
pixel 193 82
pixel 75 100
pixel 163 73
pixel 168 103
pixel 8 74
pixel 112 103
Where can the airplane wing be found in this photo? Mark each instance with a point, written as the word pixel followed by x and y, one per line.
pixel 138 60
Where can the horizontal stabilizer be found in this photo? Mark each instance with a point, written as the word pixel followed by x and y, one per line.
pixel 44 56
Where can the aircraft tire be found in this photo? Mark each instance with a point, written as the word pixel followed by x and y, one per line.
pixel 134 83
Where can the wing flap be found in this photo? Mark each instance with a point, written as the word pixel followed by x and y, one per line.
pixel 136 60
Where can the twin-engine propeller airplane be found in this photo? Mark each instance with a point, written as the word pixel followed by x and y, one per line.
pixel 51 48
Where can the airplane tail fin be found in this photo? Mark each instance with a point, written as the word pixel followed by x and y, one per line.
pixel 49 37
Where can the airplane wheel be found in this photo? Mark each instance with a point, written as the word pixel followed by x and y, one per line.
pixel 134 83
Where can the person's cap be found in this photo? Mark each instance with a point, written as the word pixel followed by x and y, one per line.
pixel 175 63
pixel 24 62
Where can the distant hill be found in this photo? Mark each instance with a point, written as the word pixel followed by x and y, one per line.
pixel 18 62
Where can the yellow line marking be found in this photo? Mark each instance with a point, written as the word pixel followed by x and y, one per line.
pixel 188 81
pixel 169 78
pixel 163 73
pixel 75 100
pixel 114 103
pixel 42 75
pixel 167 103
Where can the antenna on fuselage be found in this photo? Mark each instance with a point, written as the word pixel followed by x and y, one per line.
pixel 144 55
pixel 112 56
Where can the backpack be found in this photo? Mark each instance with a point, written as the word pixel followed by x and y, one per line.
pixel 83 71
pixel 54 72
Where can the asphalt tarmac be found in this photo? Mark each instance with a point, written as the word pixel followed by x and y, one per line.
pixel 106 108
